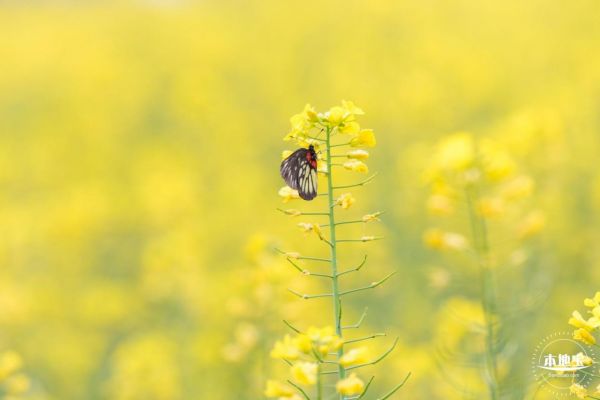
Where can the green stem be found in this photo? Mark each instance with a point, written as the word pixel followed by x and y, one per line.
pixel 337 314
pixel 319 383
pixel 488 296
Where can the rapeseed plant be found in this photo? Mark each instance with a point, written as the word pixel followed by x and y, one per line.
pixel 315 354
pixel 480 176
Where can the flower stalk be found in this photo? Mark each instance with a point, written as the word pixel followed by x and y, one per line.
pixel 488 297
pixel 317 355
pixel 337 301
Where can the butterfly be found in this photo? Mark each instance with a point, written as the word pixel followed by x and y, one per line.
pixel 299 170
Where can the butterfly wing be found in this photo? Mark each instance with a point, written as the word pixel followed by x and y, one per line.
pixel 290 167
pixel 307 181
pixel 299 174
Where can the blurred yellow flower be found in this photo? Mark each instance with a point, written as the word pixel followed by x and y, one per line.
pixel 440 205
pixel 351 385
pixel 355 356
pixel 517 188
pixel 365 138
pixel 497 164
pixel 286 349
pixel 532 224
pixel 578 391
pixel 285 154
pixel 305 372
pixel 288 194
pixel 490 207
pixel 584 336
pixel 10 362
pixel 358 154
pixel 17 384
pixel 324 340
pixel 351 108
pixel 456 152
pixel 439 240
pixel 356 166
pixel 278 389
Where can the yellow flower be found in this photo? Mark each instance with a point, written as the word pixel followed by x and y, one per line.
pixel 356 166
pixel 350 128
pixel 490 207
pixel 305 372
pixel 518 188
pixel 440 205
pixel 497 164
pixel 288 194
pixel 285 154
pixel 308 227
pixel 581 359
pixel 303 343
pixel 593 302
pixel 584 336
pixel 345 200
pixel 440 240
pixel 17 384
pixel 372 217
pixel 335 116
pixel 324 340
pixel 355 356
pixel 10 362
pixel 278 389
pixel 352 385
pixel 365 138
pixel 456 152
pixel 351 108
pixel 578 391
pixel 358 154
pixel 317 230
pixel 533 223
pixel 287 349
pixel 579 322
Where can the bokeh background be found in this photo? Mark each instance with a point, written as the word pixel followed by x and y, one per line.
pixel 140 143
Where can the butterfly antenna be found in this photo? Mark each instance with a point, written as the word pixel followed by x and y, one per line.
pixel 319 134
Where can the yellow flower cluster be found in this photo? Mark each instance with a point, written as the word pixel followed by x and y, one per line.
pixel 481 172
pixel 342 118
pixel 13 383
pixel 581 392
pixel 305 352
pixel 345 200
pixel 583 326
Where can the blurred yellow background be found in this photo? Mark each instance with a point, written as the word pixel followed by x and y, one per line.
pixel 140 144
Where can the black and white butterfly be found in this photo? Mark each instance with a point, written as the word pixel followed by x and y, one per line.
pixel 299 171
